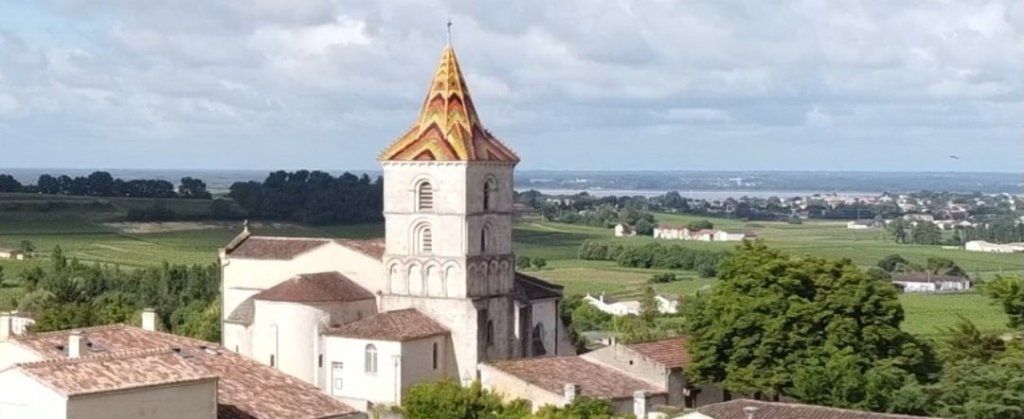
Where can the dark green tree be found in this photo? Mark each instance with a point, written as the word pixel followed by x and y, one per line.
pixel 769 313
pixel 448 399
pixel 893 263
pixel 539 262
pixel 523 263
pixel 648 306
pixel 579 408
pixel 191 188
pixel 1009 293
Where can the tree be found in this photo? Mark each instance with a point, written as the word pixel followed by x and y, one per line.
pixel 192 188
pixel 633 329
pixel 898 229
pixel 587 317
pixel 523 263
pixel 539 262
pixel 893 263
pixel 925 233
pixel 663 278
pixel 9 184
pixel 964 341
pixel 944 266
pixel 644 227
pixel 200 321
pixel 580 408
pixel 100 184
pixel 700 225
pixel 770 313
pixel 2 277
pixel 448 399
pixel 649 306
pixel 972 388
pixel 1009 293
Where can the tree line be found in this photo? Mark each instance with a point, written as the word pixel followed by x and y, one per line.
pixel 102 184
pixel 654 255
pixel 312 197
pixel 70 294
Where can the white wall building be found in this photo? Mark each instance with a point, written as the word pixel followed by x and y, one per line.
pixel 984 246
pixel 921 282
pixel 624 230
pixel 617 307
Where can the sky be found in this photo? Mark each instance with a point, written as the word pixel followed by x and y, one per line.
pixel 568 84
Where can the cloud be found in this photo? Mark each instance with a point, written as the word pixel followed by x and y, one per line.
pixel 313 83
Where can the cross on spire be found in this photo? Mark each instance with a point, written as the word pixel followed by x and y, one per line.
pixel 449 31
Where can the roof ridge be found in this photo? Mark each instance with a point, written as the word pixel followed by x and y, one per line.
pixel 137 353
pixel 816 406
pixel 40 335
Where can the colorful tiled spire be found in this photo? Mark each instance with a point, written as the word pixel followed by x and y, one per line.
pixel 448 128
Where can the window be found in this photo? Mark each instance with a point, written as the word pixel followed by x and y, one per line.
pixel 435 355
pixel 336 371
pixel 488 191
pixel 425 196
pixel 371 359
pixel 483 240
pixel 538 340
pixel 320 361
pixel 490 333
pixel 426 240
pixel 271 360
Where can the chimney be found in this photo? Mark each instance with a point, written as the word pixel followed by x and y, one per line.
pixel 750 411
pixel 640 404
pixel 6 321
pixel 571 391
pixel 75 344
pixel 149 319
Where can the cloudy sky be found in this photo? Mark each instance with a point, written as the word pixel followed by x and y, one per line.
pixel 581 84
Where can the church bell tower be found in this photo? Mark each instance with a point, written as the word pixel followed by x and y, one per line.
pixel 448 218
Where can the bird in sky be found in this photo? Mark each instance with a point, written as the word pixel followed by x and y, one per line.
pixel 954 157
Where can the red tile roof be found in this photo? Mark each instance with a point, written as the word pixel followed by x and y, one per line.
pixel 275 248
pixel 246 390
pixel 553 373
pixel 115 372
pixel 398 325
pixel 314 288
pixel 287 248
pixel 671 353
pixel 768 410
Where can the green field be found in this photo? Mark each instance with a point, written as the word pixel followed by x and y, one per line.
pixel 91 230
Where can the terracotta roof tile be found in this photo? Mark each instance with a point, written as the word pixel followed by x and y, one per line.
pixel 114 372
pixel 398 325
pixel 553 373
pixel 275 248
pixel 316 287
pixel 767 410
pixel 246 390
pixel 671 353
pixel 287 248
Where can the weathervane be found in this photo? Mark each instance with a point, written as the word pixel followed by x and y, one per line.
pixel 449 31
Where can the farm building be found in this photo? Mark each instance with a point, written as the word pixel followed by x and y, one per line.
pixel 624 230
pixel 924 282
pixel 863 224
pixel 616 307
pixel 671 232
pixel 984 246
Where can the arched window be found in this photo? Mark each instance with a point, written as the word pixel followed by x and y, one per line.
pixel 435 356
pixel 371 359
pixel 483 240
pixel 425 196
pixel 490 333
pixel 424 239
pixel 489 188
pixel 538 340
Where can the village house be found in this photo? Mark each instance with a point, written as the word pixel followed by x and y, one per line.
pixel 984 246
pixel 118 371
pixel 863 224
pixel 624 230
pixel 926 282
pixel 661 363
pixel 617 307
pixel 675 232
pixel 14 323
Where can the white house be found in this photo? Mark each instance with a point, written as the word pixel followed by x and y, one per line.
pixel 624 230
pixel 923 282
pixel 673 232
pixel 731 235
pixel 617 307
pixel 984 246
pixel 14 323
pixel 120 371
pixel 863 224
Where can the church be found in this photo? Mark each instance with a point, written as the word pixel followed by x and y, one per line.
pixel 364 320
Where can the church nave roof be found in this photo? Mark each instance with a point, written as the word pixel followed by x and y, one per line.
pixel 397 325
pixel 316 288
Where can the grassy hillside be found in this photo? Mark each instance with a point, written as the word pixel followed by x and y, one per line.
pixel 93 230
